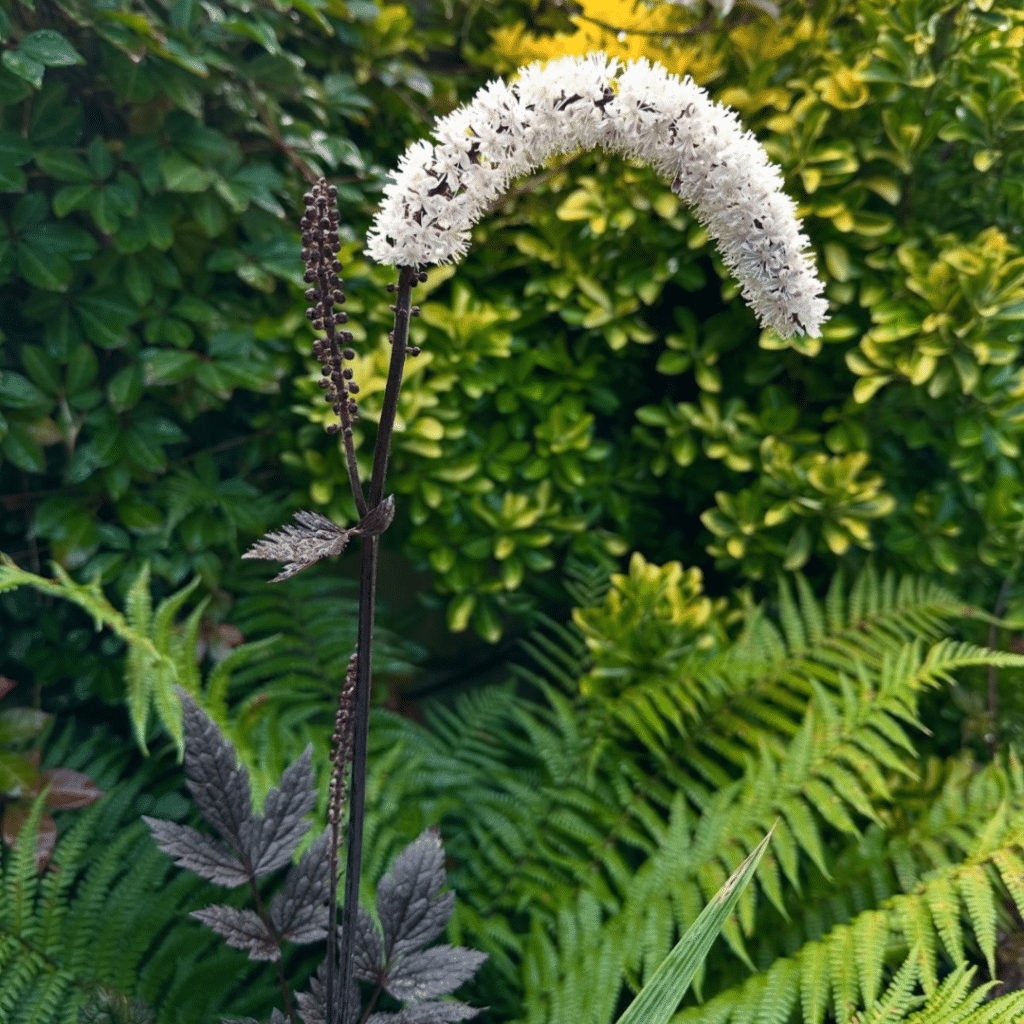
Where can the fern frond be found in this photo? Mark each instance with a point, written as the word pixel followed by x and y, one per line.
pixel 586 580
pixel 582 818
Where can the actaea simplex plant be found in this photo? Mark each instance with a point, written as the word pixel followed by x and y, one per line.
pixel 637 110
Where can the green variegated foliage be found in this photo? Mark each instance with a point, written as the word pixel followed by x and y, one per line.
pixel 591 379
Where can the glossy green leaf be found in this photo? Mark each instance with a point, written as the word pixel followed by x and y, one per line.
pixel 100 160
pixel 82 368
pixel 72 197
pixel 42 267
pixel 14 151
pixel 21 448
pixel 23 66
pixel 41 367
pixel 105 317
pixel 181 175
pixel 16 391
pixel 169 366
pixel 50 48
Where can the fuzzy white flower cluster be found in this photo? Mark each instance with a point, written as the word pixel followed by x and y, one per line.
pixel 637 110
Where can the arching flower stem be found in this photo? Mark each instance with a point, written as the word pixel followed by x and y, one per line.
pixel 637 110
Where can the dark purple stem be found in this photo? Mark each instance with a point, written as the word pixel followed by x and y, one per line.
pixel 367 589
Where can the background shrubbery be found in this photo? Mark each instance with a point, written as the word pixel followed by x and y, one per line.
pixel 591 385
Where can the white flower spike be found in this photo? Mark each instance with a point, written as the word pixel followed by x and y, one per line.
pixel 637 110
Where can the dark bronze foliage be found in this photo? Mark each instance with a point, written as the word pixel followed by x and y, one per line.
pixel 410 905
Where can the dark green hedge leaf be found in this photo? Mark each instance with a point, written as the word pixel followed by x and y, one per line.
pixel 12 179
pixel 182 12
pixel 105 318
pixel 175 51
pixel 182 92
pixel 52 514
pixel 105 210
pixel 63 239
pixel 12 88
pixel 344 95
pixel 43 268
pixel 54 121
pixel 152 227
pixel 210 214
pixel 138 282
pixel 181 175
pixel 50 48
pixel 143 450
pixel 24 67
pixel 62 332
pixel 140 516
pixel 83 463
pixel 258 182
pixel 14 151
pixel 160 426
pixel 81 369
pixel 125 388
pixel 194 309
pixel 72 197
pixel 30 211
pixel 21 448
pixel 100 160
pixel 200 143
pixel 41 367
pixel 18 392
pixel 64 521
pixel 168 366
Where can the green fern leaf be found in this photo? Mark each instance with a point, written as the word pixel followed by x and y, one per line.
pixel 976 892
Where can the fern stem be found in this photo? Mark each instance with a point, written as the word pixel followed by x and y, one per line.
pixel 367 587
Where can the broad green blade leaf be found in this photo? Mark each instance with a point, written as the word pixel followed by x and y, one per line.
pixel 660 997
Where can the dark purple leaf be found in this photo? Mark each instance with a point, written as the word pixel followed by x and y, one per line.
pixel 410 911
pixel 432 972
pixel 219 785
pixel 313 1004
pixel 299 911
pixel 368 956
pixel 241 929
pixel 201 854
pixel 428 1013
pixel 268 841
pixel 276 1017
pixel 301 546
